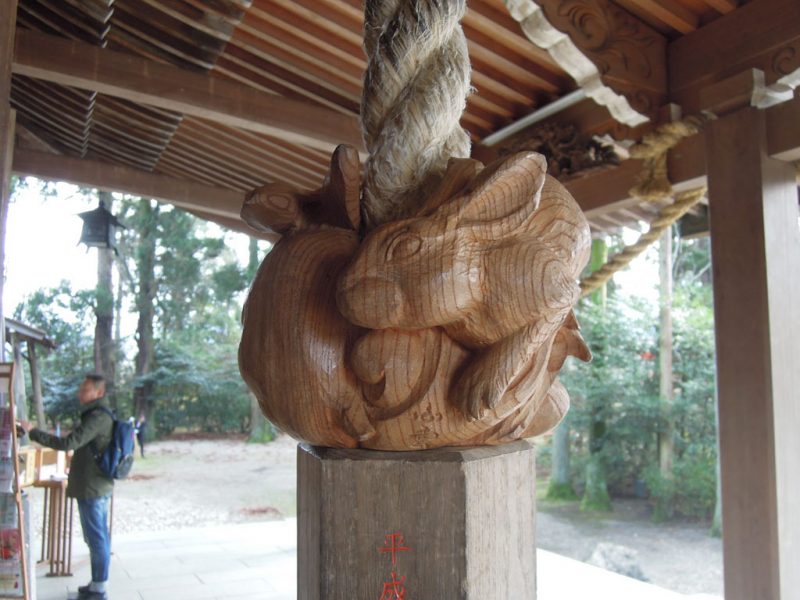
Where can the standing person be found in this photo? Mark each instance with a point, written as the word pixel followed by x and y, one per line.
pixel 87 484
pixel 141 431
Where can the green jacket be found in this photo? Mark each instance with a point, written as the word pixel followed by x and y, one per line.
pixel 85 478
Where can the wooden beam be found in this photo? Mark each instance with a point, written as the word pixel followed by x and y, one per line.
pixel 222 206
pixel 756 259
pixel 8 19
pixel 116 178
pixel 77 64
pixel 763 34
pixel 235 225
pixel 783 131
pixel 607 191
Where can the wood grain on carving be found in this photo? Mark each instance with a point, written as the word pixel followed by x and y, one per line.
pixel 447 328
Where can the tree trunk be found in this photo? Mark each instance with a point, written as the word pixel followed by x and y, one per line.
pixel 36 383
pixel 145 303
pixel 666 442
pixel 261 430
pixel 104 348
pixel 560 487
pixel 119 354
pixel 595 495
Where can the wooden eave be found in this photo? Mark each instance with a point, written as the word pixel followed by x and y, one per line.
pixel 196 103
pixel 27 333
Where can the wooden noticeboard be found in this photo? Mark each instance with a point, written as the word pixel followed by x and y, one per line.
pixel 13 559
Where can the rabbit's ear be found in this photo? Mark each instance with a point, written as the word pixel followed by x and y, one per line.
pixel 342 188
pixel 459 174
pixel 505 194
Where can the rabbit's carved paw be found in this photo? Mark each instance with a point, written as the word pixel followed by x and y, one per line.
pixel 478 390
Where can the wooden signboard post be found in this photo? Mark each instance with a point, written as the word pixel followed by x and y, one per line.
pixel 14 581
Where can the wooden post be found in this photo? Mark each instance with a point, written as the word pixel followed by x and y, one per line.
pixel 460 521
pixel 36 383
pixel 8 19
pixel 756 257
pixel 666 443
pixel 20 392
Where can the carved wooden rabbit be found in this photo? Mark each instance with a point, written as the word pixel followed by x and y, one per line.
pixel 448 328
pixel 496 266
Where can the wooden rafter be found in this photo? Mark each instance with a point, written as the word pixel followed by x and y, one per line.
pixel 81 65
pixel 182 193
pixel 599 194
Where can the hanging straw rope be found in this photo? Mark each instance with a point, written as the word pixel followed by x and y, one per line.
pixel 653 185
pixel 415 91
pixel 683 203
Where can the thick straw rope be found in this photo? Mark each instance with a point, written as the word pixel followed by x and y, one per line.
pixel 653 185
pixel 415 91
pixel 671 213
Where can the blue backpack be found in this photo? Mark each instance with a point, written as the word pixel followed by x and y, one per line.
pixel 116 460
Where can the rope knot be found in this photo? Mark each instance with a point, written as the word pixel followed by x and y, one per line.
pixel 653 183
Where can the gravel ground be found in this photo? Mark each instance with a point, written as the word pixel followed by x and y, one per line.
pixel 678 556
pixel 199 482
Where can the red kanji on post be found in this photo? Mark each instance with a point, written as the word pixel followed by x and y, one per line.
pixel 394 589
pixel 393 543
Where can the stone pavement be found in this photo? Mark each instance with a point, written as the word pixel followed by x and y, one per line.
pixel 257 561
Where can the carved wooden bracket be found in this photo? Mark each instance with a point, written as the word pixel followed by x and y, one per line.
pixel 447 328
pixel 619 61
pixel 569 153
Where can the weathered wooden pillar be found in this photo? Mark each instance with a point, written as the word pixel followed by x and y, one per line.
pixel 448 523
pixel 36 384
pixel 20 393
pixel 8 19
pixel 756 258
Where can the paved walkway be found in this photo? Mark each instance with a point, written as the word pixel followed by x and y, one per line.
pixel 247 562
pixel 258 561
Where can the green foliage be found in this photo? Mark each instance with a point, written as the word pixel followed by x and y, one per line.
pixel 262 432
pixel 615 406
pixel 67 316
pixel 560 491
pixel 615 396
pixel 197 391
pixel 691 492
pixel 196 289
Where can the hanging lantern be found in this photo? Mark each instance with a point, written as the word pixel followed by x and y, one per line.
pixel 99 227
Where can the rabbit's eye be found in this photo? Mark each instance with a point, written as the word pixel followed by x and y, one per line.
pixel 403 246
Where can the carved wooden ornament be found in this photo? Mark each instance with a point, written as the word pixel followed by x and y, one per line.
pixel 447 328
